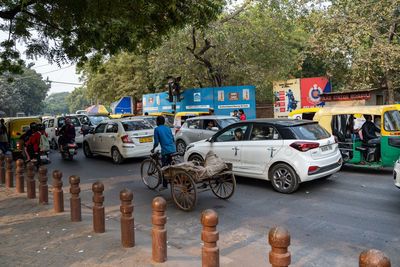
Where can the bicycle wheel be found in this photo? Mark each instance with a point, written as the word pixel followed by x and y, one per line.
pixel 151 173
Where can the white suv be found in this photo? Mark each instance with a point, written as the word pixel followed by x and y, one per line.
pixel 53 125
pixel 120 139
pixel 286 152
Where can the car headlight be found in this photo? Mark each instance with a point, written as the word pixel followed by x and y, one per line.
pixel 189 147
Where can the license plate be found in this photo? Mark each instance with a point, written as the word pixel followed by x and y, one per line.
pixel 326 148
pixel 72 151
pixel 146 139
pixel 43 157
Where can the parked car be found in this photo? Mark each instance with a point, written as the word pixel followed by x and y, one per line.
pixel 199 128
pixel 53 125
pixel 120 139
pixel 287 152
pixel 153 121
pixel 90 121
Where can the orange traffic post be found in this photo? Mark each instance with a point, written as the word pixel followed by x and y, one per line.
pixel 58 194
pixel 9 173
pixel 30 180
pixel 75 200
pixel 19 177
pixel 159 233
pixel 279 239
pixel 2 170
pixel 43 187
pixel 127 221
pixel 98 208
pixel 373 258
pixel 210 236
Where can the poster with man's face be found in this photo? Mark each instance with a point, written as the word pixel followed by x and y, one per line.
pixel 246 94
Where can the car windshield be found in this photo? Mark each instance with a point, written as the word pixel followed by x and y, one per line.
pixel 136 125
pixel 310 132
pixel 153 122
pixel 226 122
pixel 97 119
pixel 391 120
pixel 74 121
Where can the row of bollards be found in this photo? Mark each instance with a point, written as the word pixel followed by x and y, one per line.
pixel 279 237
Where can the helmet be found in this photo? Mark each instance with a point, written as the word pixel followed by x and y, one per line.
pixel 33 126
pixel 40 127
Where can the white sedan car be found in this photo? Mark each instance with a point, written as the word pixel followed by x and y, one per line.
pixel 286 152
pixel 120 139
pixel 396 173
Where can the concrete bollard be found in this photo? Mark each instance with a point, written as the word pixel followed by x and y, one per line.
pixel 159 233
pixel 98 208
pixel 279 239
pixel 9 173
pixel 43 187
pixel 30 180
pixel 373 258
pixel 58 194
pixel 210 236
pixel 75 200
pixel 127 221
pixel 19 177
pixel 2 170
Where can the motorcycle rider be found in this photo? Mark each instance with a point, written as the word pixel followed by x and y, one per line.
pixel 29 133
pixel 67 134
pixel 33 143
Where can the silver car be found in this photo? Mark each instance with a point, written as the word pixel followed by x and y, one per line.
pixel 199 128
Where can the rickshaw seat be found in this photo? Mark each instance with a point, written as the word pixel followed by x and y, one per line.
pixel 362 148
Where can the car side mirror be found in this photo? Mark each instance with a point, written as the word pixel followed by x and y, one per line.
pixel 210 139
pixel 214 129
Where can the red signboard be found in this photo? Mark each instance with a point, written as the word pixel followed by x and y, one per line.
pixel 311 90
pixel 234 96
pixel 346 96
pixel 151 100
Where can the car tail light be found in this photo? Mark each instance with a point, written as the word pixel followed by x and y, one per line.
pixel 339 161
pixel 81 131
pixel 312 169
pixel 57 132
pixel 336 139
pixel 176 131
pixel 126 139
pixel 71 145
pixel 304 146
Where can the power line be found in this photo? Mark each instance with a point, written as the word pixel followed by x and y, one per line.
pixel 63 82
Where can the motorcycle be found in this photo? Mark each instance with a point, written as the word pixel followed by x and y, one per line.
pixel 69 150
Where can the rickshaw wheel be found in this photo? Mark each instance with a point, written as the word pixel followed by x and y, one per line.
pixel 183 191
pixel 151 173
pixel 223 187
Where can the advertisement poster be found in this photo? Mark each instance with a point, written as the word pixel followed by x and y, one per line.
pixel 197 97
pixel 158 100
pixel 287 97
pixel 144 101
pixel 151 101
pixel 311 90
pixel 233 96
pixel 220 96
pixel 246 94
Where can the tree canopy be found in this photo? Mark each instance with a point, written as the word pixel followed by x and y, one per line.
pixel 25 94
pixel 77 100
pixel 73 30
pixel 56 104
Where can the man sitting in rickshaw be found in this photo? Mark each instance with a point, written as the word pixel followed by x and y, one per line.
pixel 369 131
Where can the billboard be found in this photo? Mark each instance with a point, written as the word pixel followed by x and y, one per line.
pixel 311 90
pixel 287 97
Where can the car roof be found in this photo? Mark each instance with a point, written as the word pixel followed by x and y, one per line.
pixel 211 117
pixel 282 122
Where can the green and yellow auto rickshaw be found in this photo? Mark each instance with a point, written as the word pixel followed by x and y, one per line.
pixel 16 127
pixel 346 124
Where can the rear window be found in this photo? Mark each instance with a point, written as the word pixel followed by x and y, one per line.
pixel 226 122
pixel 74 121
pixel 391 120
pixel 136 125
pixel 310 132
pixel 97 119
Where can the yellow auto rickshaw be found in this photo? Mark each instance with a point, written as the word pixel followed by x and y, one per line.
pixel 303 113
pixel 358 148
pixel 181 117
pixel 16 127
pixel 168 116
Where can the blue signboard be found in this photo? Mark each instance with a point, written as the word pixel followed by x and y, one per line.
pixel 224 100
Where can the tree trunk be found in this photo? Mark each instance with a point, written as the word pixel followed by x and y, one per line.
pixel 389 85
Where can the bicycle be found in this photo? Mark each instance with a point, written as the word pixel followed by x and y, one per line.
pixel 150 169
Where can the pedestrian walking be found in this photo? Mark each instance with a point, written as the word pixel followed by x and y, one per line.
pixel 163 137
pixel 211 111
pixel 3 137
pixel 242 116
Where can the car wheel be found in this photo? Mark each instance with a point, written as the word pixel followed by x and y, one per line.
pixel 196 157
pixel 284 179
pixel 116 156
pixel 86 150
pixel 180 147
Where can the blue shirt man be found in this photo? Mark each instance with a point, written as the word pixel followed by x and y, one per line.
pixel 163 136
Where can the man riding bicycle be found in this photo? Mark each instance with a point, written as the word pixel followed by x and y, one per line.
pixel 164 137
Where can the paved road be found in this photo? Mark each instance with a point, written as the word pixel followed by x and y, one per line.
pixel 330 221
